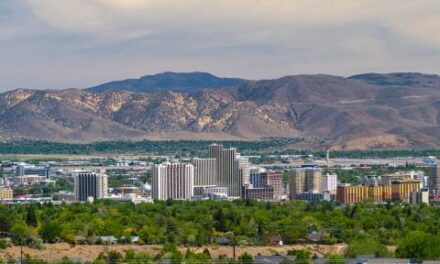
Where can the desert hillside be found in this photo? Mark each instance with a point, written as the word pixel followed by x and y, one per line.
pixel 363 111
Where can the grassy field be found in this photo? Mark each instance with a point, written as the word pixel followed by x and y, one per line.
pixel 54 252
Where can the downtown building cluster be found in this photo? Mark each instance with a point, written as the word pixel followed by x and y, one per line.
pixel 224 174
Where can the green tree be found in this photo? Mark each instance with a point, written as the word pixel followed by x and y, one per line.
pixel 302 256
pixel 50 231
pixel 246 258
pixel 419 245
pixel 20 234
pixel 365 246
pixel 31 217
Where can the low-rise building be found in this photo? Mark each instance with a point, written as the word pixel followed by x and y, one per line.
pixel 351 194
pixel 419 197
pixel 28 179
pixel 6 193
pixel 402 189
pixel 261 193
pixel 316 197
pixel 398 190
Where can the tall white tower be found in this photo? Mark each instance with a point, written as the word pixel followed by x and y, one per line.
pixel 173 181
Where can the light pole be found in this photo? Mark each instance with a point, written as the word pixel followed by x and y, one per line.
pixel 233 245
pixel 21 251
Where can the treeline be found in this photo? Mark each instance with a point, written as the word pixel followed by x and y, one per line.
pixel 180 147
pixel 275 146
pixel 367 228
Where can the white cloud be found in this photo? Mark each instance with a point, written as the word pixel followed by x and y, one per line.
pixel 249 38
pixel 134 18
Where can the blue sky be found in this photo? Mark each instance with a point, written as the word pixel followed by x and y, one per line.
pixel 53 44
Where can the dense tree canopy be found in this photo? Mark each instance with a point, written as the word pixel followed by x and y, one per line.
pixel 365 227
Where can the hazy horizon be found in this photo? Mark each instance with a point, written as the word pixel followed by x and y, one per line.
pixel 51 44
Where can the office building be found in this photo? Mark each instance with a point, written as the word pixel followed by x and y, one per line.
pixel 435 179
pixel 205 172
pixel 244 168
pixel 255 176
pixel 419 197
pixel 23 170
pixel 90 186
pixel 296 183
pixel 6 193
pixel 173 181
pixel 232 169
pixel 329 183
pixel 275 180
pixel 304 180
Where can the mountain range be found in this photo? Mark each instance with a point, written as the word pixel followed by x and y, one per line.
pixel 396 110
pixel 162 82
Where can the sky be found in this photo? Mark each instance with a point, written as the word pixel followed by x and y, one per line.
pixel 54 44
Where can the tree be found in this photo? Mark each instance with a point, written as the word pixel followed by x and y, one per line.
pixel 31 217
pixel 5 222
pixel 50 231
pixel 246 258
pixel 419 245
pixel 365 246
pixel 20 234
pixel 220 220
pixel 302 256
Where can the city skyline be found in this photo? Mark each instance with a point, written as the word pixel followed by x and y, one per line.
pixel 55 45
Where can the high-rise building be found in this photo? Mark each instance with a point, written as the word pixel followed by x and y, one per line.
pixel 435 179
pixel 172 181
pixel 304 180
pixel 244 168
pixel 296 183
pixel 275 180
pixel 313 180
pixel 216 152
pixel 232 169
pixel 205 172
pixel 329 183
pixel 88 185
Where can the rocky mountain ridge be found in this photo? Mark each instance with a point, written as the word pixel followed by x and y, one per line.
pixel 358 112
